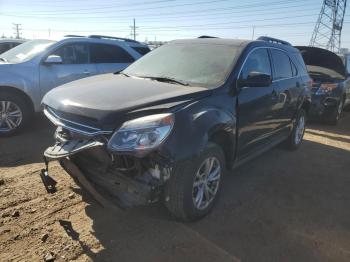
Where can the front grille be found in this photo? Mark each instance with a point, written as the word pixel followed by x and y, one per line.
pixel 78 127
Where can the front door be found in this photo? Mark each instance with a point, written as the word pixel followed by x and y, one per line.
pixel 256 120
pixel 75 65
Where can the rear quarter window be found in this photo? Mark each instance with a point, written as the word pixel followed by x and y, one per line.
pixel 141 50
pixel 103 53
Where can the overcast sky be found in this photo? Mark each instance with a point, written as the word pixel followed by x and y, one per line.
pixel 293 21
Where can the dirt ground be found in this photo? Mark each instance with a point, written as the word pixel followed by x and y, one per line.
pixel 283 206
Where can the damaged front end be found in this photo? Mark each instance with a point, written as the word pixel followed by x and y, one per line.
pixel 123 167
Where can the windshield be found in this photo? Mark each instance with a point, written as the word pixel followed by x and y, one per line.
pixel 25 51
pixel 205 65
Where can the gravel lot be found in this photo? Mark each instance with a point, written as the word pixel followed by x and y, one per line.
pixel 283 206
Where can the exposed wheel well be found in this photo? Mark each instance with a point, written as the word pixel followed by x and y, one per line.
pixel 224 140
pixel 19 93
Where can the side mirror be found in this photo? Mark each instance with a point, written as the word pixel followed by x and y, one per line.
pixel 256 79
pixel 53 59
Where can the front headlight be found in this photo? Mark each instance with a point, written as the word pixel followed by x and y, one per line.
pixel 326 89
pixel 142 134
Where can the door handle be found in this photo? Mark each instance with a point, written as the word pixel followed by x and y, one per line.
pixel 86 72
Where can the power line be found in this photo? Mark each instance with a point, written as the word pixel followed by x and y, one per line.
pixel 249 6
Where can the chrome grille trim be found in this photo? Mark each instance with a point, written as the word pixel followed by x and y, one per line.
pixel 68 124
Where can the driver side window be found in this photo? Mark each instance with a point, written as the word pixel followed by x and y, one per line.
pixel 258 62
pixel 73 54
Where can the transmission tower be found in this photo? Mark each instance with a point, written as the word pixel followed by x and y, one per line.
pixel 327 32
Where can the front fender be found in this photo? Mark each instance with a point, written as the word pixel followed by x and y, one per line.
pixel 23 77
pixel 197 123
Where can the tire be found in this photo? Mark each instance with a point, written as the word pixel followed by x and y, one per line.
pixel 181 192
pixel 337 113
pixel 295 139
pixel 15 113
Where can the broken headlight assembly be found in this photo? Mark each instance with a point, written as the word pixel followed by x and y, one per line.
pixel 326 89
pixel 142 134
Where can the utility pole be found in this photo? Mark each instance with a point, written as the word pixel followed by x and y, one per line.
pixel 133 29
pixel 253 34
pixel 17 28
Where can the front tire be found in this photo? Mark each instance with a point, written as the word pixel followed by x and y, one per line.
pixel 194 186
pixel 296 137
pixel 14 113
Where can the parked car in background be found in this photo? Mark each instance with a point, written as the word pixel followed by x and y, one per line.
pixel 331 83
pixel 7 44
pixel 168 126
pixel 29 71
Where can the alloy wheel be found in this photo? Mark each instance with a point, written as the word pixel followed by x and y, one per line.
pixel 340 109
pixel 300 129
pixel 206 183
pixel 10 116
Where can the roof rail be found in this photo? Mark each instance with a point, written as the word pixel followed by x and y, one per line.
pixel 113 37
pixel 273 40
pixel 207 36
pixel 74 36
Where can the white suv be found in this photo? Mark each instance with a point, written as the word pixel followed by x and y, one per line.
pixel 30 70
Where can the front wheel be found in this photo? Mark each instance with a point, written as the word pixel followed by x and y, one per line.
pixel 194 186
pixel 296 137
pixel 14 113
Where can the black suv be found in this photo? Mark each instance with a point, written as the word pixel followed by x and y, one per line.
pixel 167 127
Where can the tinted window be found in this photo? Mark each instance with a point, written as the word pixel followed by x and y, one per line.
pixel 282 64
pixel 73 54
pixel 101 53
pixel 257 61
pixel 141 50
pixel 4 47
pixel 294 68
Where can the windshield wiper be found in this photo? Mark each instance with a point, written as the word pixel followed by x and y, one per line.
pixel 3 59
pixel 166 79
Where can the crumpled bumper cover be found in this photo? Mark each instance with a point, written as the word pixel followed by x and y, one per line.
pixel 70 147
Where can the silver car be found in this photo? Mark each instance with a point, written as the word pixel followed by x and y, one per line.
pixel 7 44
pixel 30 70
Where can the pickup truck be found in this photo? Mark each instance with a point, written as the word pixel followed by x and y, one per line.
pixel 170 125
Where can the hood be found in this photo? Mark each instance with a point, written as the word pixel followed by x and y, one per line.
pixel 322 61
pixel 107 97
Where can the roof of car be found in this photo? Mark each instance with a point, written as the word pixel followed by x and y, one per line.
pixel 13 40
pixel 103 39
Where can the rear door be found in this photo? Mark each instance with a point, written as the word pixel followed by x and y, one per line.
pixel 109 58
pixel 287 86
pixel 75 65
pixel 256 119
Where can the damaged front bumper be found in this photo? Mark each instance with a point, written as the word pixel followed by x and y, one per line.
pixel 123 180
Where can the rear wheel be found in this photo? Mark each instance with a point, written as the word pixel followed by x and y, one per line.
pixel 296 137
pixel 194 186
pixel 14 113
pixel 337 113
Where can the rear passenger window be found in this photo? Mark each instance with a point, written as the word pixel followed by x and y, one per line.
pixel 101 53
pixel 73 54
pixel 282 64
pixel 257 62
